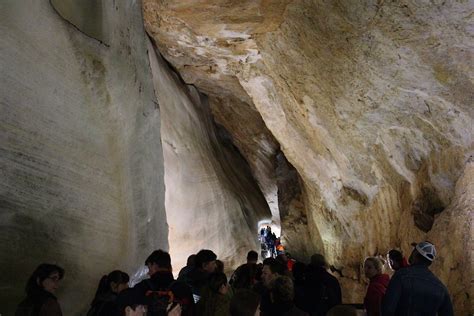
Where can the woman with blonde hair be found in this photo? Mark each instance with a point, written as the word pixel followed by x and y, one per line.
pixel 373 268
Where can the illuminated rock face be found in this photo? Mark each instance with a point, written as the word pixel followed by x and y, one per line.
pixel 84 114
pixel 357 114
pixel 370 101
pixel 212 200
pixel 81 162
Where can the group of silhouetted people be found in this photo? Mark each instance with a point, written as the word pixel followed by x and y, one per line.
pixel 271 244
pixel 278 286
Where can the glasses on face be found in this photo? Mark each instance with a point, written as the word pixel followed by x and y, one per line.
pixel 54 278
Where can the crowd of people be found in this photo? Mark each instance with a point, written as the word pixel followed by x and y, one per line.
pixel 275 287
pixel 270 243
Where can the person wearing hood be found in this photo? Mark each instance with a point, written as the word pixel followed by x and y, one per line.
pixel 40 289
pixel 373 268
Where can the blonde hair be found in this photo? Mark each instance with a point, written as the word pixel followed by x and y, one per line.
pixel 378 264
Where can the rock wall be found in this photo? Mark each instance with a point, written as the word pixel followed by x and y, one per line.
pixel 457 220
pixel 370 101
pixel 81 163
pixel 212 200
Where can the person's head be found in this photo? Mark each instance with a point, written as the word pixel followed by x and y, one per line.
pixel 159 260
pixel 252 257
pixel 245 277
pixel 46 276
pixel 218 283
pixel 395 259
pixel 282 290
pixel 424 253
pixel 206 260
pixel 299 271
pixel 372 267
pixel 258 274
pixel 131 302
pixel 219 266
pixel 282 258
pixel 116 281
pixel 245 303
pixel 191 260
pixel 271 269
pixel 318 261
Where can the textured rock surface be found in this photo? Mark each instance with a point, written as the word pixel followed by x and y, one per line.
pixel 209 68
pixel 212 201
pixel 370 101
pixel 81 163
pixel 457 220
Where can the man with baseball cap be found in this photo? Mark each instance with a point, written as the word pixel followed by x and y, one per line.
pixel 415 290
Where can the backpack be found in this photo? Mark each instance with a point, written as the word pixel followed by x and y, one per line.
pixel 158 299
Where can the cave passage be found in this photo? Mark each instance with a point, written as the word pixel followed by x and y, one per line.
pixel 131 126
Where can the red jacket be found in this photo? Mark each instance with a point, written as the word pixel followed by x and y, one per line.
pixel 375 292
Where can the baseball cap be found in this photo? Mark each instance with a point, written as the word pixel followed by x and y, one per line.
pixel 426 249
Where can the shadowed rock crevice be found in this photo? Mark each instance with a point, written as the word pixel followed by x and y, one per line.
pixel 87 16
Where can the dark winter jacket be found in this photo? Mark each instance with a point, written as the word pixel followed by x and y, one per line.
pixel 151 288
pixel 159 281
pixel 39 303
pixel 375 292
pixel 416 291
pixel 104 305
pixel 322 291
pixel 196 279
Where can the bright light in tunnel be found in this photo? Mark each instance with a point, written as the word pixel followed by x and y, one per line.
pixel 268 222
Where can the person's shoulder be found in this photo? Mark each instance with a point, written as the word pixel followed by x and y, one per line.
pixel 239 268
pixel 402 272
pixel 50 307
pixel 331 277
pixel 142 286
pixel 384 278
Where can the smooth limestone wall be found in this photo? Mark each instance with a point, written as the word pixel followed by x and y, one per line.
pixel 81 166
pixel 212 200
